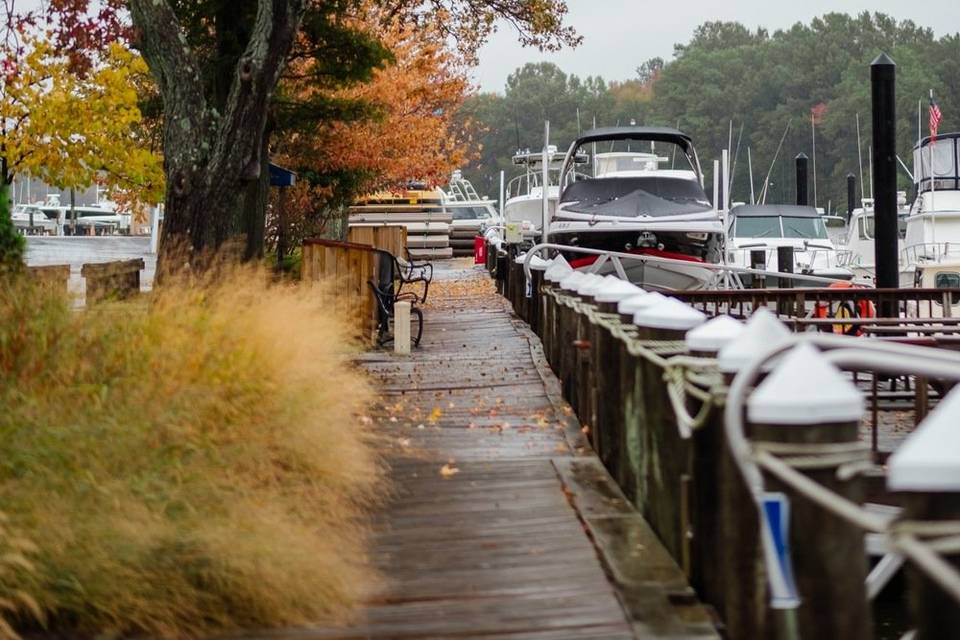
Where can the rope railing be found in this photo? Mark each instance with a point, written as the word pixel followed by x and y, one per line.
pixel 847 353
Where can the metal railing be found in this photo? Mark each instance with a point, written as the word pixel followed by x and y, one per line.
pixel 722 276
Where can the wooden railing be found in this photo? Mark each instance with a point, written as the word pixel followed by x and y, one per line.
pixel 391 238
pixel 345 268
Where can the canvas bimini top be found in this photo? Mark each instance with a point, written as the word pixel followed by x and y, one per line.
pixel 655 134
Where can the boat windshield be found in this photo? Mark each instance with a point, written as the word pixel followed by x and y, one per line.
pixel 780 227
pixel 636 196
pixel 470 213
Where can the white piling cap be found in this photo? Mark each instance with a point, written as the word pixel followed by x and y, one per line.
pixel 557 270
pixel 589 285
pixel 761 331
pixel 929 459
pixel 572 280
pixel 631 304
pixel 714 334
pixel 805 389
pixel 615 290
pixel 669 313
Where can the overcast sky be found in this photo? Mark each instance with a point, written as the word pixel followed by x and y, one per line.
pixel 618 35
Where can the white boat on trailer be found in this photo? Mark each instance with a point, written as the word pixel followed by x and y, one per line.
pixel 631 205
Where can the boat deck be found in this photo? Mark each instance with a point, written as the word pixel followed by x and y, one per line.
pixel 502 524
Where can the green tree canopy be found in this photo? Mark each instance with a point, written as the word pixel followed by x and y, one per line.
pixel 758 80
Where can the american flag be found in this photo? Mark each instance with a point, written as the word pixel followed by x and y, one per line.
pixel 935 118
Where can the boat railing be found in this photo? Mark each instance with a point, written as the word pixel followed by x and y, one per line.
pixel 724 276
pixel 930 252
pixel 812 257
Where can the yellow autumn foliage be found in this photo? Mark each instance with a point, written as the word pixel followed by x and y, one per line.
pixel 72 130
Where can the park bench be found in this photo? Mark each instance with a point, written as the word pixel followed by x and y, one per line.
pixel 388 290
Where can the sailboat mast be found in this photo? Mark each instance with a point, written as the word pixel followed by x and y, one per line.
pixel 813 136
pixel 860 159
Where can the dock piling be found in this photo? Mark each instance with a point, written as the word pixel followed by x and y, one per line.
pixel 883 93
pixel 807 415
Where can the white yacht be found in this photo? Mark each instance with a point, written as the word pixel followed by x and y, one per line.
pixel 933 227
pixel 469 212
pixel 768 227
pixel 856 248
pixel 30 219
pixel 523 196
pixel 633 205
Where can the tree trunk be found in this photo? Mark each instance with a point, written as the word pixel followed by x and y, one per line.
pixel 214 158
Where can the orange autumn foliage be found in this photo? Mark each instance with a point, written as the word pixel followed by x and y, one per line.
pixel 412 135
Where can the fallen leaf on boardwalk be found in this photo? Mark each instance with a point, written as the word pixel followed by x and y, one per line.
pixel 504 426
pixel 450 405
pixel 404 442
pixel 366 420
pixel 393 418
pixel 448 470
pixel 471 426
pixel 421 426
pixel 435 415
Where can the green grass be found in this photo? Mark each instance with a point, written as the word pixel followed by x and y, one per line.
pixel 188 463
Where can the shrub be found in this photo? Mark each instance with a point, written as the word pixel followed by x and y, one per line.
pixel 11 243
pixel 186 463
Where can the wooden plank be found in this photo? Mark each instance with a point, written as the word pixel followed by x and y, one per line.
pixel 495 549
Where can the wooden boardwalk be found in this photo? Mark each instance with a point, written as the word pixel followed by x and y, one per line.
pixel 502 524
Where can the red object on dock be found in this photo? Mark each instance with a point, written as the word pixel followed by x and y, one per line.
pixel 479 250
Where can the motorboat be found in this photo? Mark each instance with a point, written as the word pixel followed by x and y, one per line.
pixel 30 219
pixel 523 195
pixel 766 228
pixel 469 212
pixel 631 204
pixel 855 249
pixel 933 226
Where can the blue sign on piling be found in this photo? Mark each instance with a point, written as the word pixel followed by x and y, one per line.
pixel 775 511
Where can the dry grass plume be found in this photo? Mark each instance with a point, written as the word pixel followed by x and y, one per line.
pixel 188 463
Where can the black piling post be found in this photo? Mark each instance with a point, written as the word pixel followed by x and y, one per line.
pixel 758 260
pixel 802 188
pixel 883 91
pixel 851 195
pixel 785 265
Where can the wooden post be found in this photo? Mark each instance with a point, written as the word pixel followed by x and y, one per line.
pixel 743 582
pixel 401 328
pixel 566 333
pixel 709 480
pixel 665 466
pixel 925 473
pixel 584 395
pixel 631 398
pixel 605 358
pixel 804 410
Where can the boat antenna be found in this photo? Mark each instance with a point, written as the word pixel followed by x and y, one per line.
pixel 753 200
pixel 766 181
pixel 813 138
pixel 736 154
pixel 673 158
pixel 909 173
pixel 860 158
pixel 516 124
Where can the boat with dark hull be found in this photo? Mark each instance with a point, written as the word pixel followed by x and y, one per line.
pixel 633 205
